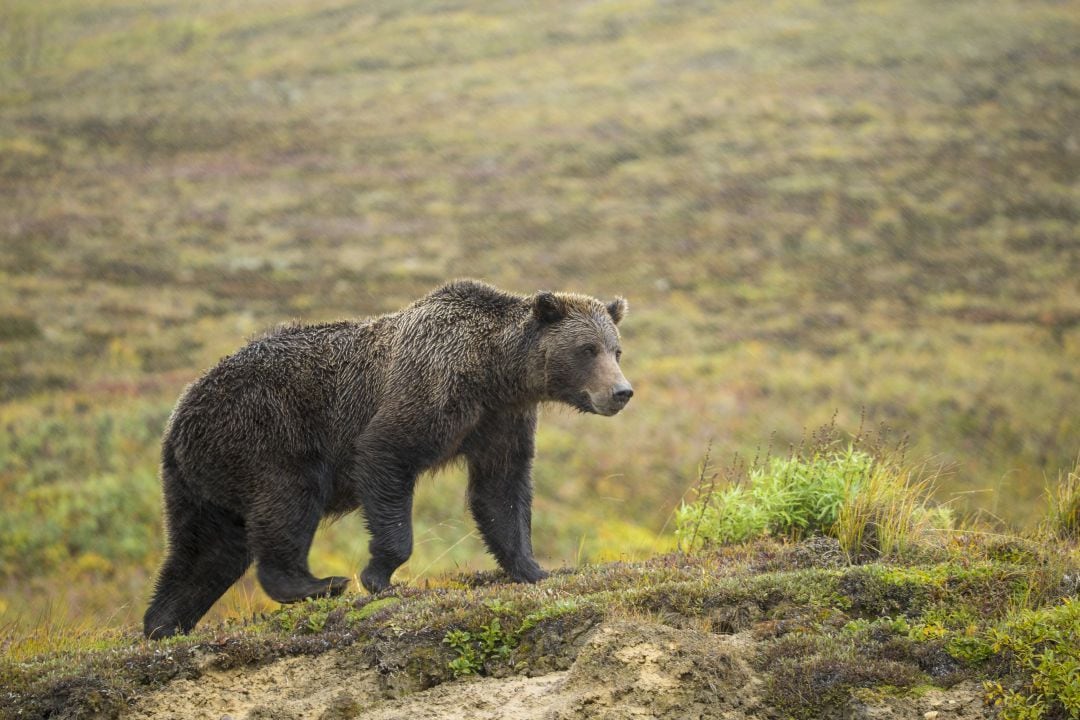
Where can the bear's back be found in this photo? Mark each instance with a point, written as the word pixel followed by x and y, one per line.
pixel 278 396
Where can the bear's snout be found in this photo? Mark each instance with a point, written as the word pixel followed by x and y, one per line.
pixel 618 398
pixel 613 398
pixel 622 393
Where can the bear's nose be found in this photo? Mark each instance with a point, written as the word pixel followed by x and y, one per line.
pixel 623 393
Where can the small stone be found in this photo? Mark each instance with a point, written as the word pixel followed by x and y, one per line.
pixel 931 715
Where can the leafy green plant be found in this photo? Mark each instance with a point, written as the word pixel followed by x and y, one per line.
pixel 469 660
pixel 1042 646
pixel 499 606
pixel 871 504
pixel 476 648
pixel 316 621
pixel 287 620
pixel 493 640
pixel 972 649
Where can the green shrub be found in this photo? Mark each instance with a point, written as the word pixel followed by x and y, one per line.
pixel 493 640
pixel 469 660
pixel 871 504
pixel 1042 646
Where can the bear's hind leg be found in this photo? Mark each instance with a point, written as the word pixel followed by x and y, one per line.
pixel 280 536
pixel 207 553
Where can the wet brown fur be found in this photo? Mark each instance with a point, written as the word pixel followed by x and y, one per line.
pixel 311 421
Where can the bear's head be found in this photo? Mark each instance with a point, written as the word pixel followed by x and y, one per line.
pixel 577 355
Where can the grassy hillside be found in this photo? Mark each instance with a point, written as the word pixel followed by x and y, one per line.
pixel 751 631
pixel 877 611
pixel 814 208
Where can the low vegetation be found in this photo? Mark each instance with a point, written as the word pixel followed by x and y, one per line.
pixel 1041 649
pixel 1063 517
pixel 813 208
pixel 865 497
pixel 999 611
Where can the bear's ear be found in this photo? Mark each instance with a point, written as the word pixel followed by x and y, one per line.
pixel 617 309
pixel 547 308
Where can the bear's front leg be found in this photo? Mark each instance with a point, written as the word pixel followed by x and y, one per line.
pixel 500 456
pixel 389 520
pixel 384 479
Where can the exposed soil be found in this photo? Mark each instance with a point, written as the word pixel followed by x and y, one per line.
pixel 624 669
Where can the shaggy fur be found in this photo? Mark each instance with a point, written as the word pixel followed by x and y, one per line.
pixel 318 420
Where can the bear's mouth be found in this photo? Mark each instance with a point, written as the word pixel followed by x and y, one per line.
pixel 583 403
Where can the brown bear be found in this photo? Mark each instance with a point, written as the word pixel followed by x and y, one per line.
pixel 312 421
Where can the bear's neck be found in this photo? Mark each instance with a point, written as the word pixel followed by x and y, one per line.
pixel 518 371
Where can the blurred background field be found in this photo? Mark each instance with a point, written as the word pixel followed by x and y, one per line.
pixel 869 210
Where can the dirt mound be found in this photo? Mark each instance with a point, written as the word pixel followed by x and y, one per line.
pixel 626 669
pixel 646 670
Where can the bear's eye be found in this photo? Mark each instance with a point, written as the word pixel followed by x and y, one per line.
pixel 618 355
pixel 589 350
